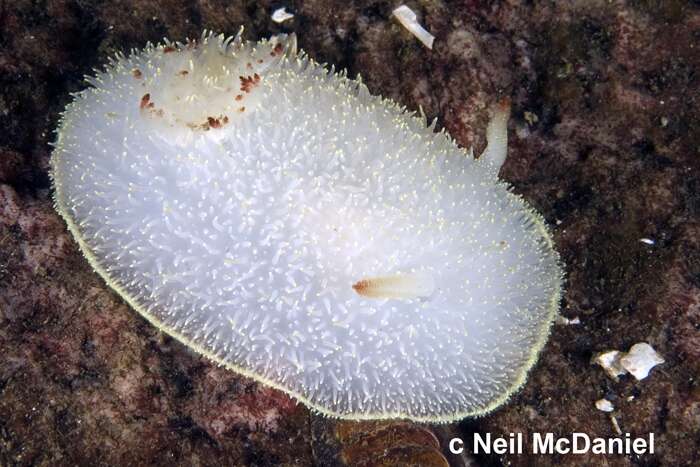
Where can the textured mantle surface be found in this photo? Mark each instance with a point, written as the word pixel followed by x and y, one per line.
pixel 604 142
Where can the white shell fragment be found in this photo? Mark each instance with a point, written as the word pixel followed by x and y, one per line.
pixel 648 241
pixel 408 19
pixel 604 405
pixel 610 361
pixel 280 220
pixel 281 15
pixel 640 360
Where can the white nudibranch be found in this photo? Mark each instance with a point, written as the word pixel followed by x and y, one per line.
pixel 275 217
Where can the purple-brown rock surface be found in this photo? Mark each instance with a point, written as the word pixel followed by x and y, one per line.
pixel 605 142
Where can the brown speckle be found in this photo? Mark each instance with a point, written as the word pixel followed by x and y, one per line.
pixel 241 109
pixel 183 73
pixel 249 82
pixel 168 49
pixel 213 122
pixel 146 101
pixel 277 50
pixel 239 97
pixel 361 286
pixel 136 73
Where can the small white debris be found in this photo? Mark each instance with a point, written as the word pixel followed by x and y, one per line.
pixel 664 122
pixel 610 361
pixel 407 18
pixel 648 241
pixel 640 360
pixel 563 320
pixel 281 14
pixel 604 405
pixel 630 398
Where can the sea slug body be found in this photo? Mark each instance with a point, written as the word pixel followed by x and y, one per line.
pixel 277 218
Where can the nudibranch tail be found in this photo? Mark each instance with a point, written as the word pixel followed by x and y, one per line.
pixel 497 136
